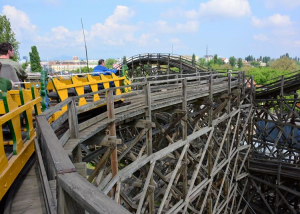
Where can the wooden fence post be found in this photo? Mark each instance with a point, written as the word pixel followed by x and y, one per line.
pixel 73 120
pixel 66 204
pixel 210 149
pixel 184 135
pixel 149 141
pixel 74 130
pixel 112 132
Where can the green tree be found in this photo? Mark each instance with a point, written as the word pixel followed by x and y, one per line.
pixel 7 35
pixel 202 61
pixel 109 62
pixel 25 65
pixel 225 66
pixel 232 61
pixel 255 64
pixel 265 75
pixel 284 64
pixel 85 70
pixel 215 59
pixel 219 61
pixel 210 63
pixel 124 60
pixel 193 59
pixel 35 60
pixel 240 63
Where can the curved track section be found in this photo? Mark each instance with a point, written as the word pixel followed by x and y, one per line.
pixel 151 64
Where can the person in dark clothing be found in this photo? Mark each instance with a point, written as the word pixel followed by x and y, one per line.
pixel 101 69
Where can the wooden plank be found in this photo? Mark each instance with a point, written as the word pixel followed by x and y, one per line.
pixel 29 198
pixel 57 123
pixel 59 159
pixel 63 140
pixel 73 120
pixel 48 197
pixel 81 168
pixel 84 194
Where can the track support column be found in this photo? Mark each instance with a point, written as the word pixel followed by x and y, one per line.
pixel 149 141
pixel 184 135
pixel 112 132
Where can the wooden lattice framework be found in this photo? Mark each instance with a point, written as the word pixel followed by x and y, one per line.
pixel 180 145
pixel 274 181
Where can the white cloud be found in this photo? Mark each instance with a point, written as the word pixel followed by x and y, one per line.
pixel 115 31
pixel 188 27
pixel 260 37
pixel 297 43
pixel 225 8
pixel 147 39
pixel 20 22
pixel 178 12
pixel 275 20
pixel 282 3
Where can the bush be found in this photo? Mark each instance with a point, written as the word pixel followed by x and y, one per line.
pixel 265 75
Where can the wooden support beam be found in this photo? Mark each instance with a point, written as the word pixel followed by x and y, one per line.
pixel 184 136
pixel 149 142
pixel 83 194
pixel 73 120
pixel 112 132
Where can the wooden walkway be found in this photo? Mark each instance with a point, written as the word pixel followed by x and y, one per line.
pixel 29 198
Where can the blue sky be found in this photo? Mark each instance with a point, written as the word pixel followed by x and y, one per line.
pixel 125 28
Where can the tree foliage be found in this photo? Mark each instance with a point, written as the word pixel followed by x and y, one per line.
pixel 265 75
pixel 215 59
pixel 109 63
pixel 284 64
pixel 124 60
pixel 249 58
pixel 193 59
pixel 265 59
pixel 225 66
pixel 25 65
pixel 35 61
pixel 240 63
pixel 7 35
pixel 83 70
pixel 202 61
pixel 232 61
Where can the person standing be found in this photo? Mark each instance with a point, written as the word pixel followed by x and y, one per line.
pixel 6 55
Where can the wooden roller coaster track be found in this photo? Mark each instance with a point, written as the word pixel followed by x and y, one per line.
pixel 183 140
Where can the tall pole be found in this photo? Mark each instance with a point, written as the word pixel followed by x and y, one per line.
pixel 86 53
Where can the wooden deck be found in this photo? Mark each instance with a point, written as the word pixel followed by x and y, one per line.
pixel 29 198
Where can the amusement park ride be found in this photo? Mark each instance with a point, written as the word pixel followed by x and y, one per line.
pixel 166 136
